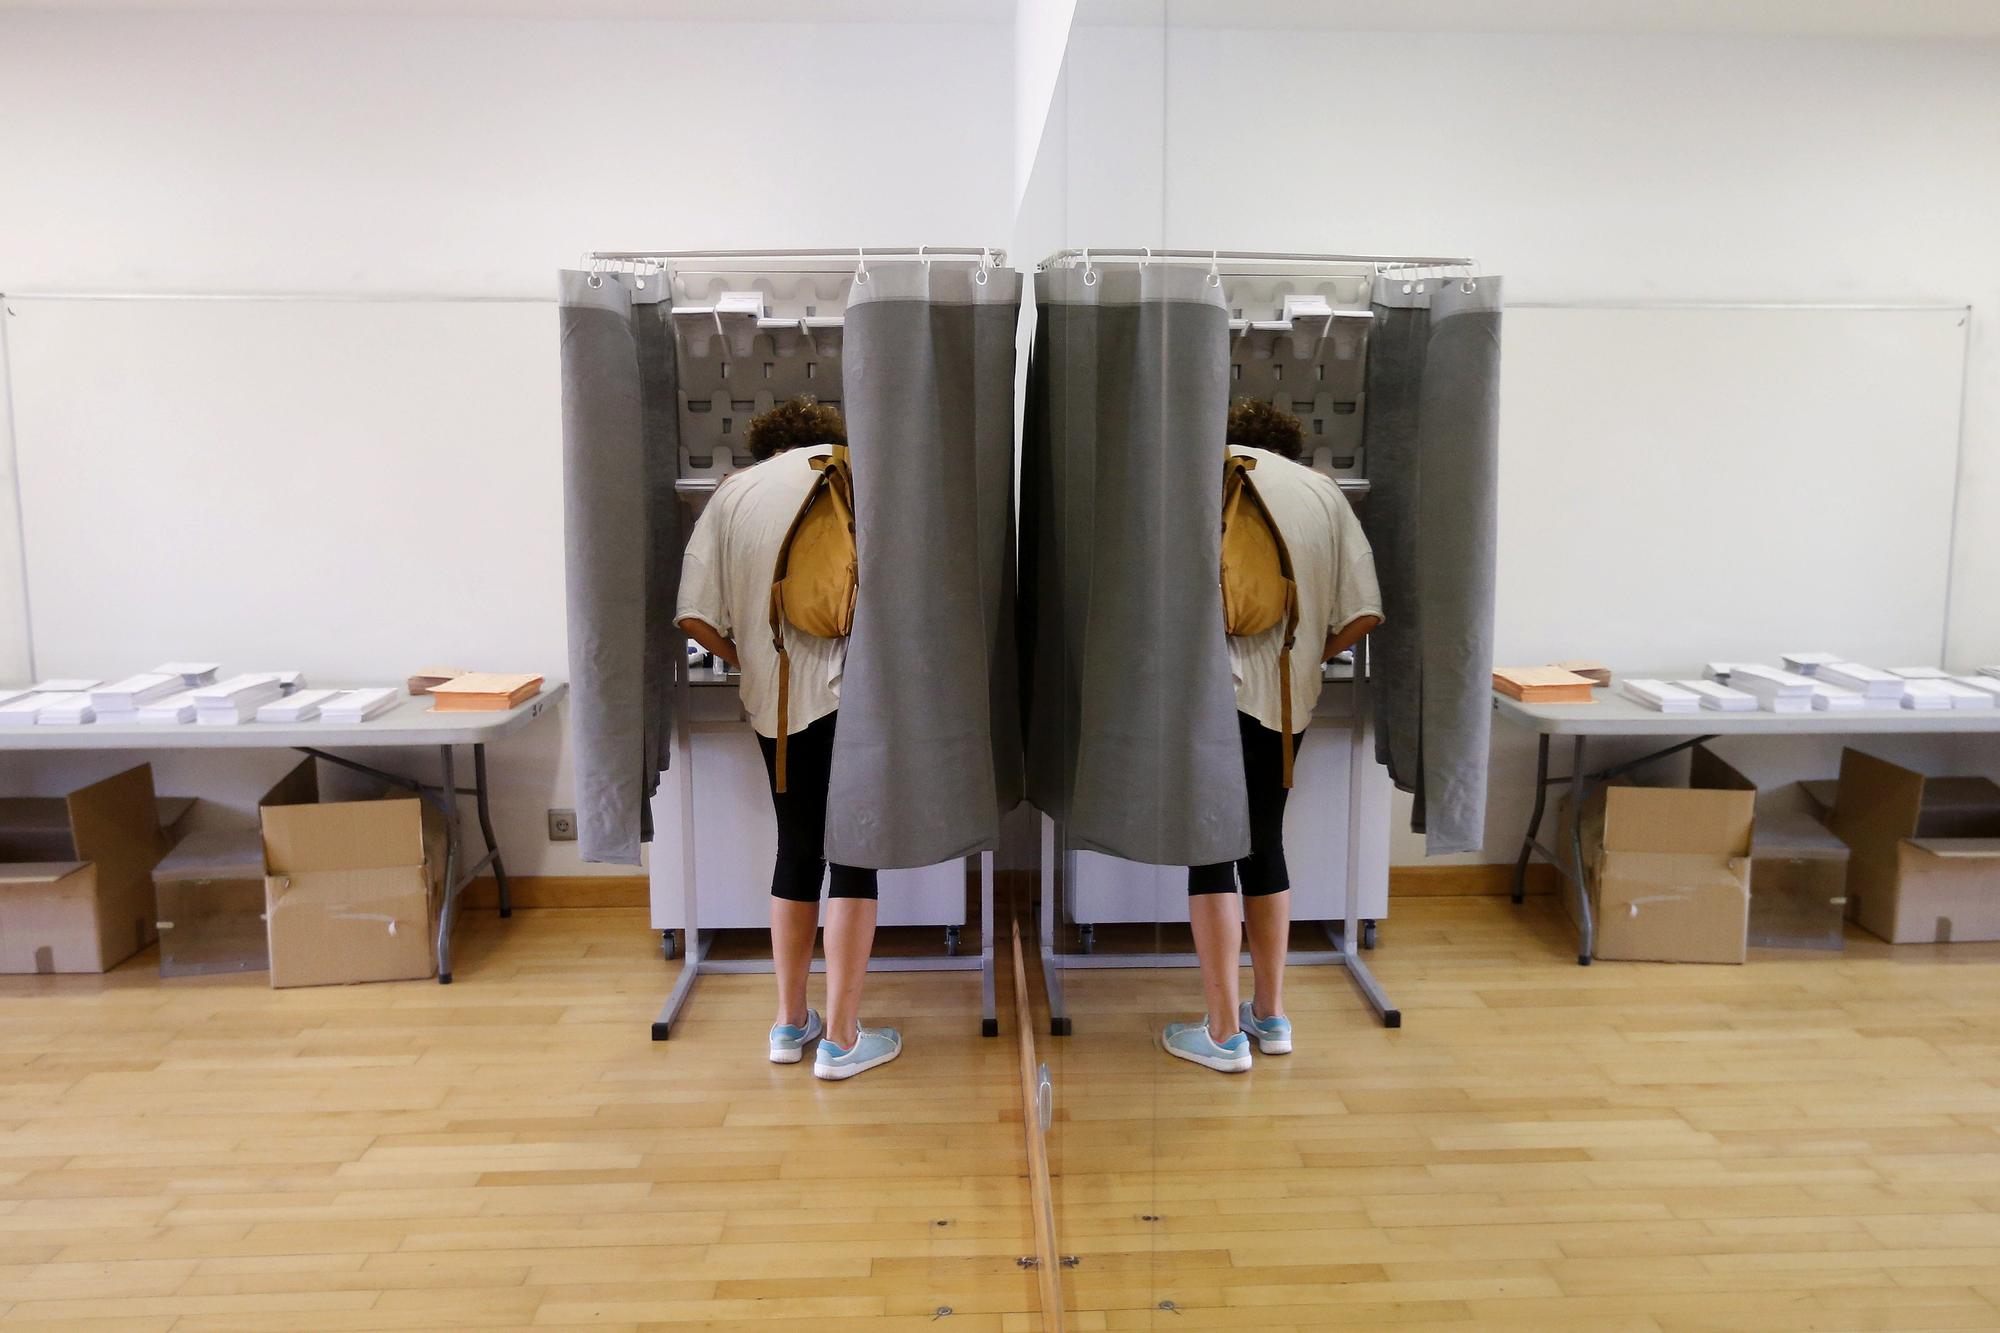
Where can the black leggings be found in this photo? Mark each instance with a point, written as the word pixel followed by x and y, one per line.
pixel 801 809
pixel 1263 871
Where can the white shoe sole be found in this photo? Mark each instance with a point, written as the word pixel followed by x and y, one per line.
pixel 833 1073
pixel 1281 1046
pixel 1239 1064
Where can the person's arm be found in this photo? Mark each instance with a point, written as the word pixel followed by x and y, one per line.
pixel 1340 640
pixel 711 639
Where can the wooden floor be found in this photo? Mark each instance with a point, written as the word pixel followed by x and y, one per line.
pixel 1807 1142
pixel 508 1151
pixel 1810 1141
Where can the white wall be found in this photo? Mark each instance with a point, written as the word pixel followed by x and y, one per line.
pixel 219 153
pixel 1584 169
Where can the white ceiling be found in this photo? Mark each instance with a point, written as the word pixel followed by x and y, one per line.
pixel 745 11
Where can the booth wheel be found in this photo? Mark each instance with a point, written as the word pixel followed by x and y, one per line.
pixel 951 941
pixel 1086 939
pixel 669 947
pixel 1367 934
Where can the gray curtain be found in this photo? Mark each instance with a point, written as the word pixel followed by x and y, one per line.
pixel 622 538
pixel 1431 450
pixel 927 752
pixel 1132 738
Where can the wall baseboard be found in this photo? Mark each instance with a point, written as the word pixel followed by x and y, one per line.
pixel 559 891
pixel 1466 881
pixel 1457 881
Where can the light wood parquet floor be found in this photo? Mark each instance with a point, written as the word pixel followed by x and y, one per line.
pixel 1809 1142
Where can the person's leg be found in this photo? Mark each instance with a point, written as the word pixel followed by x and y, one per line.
pixel 796 875
pixel 1217 919
pixel 1267 896
pixel 850 938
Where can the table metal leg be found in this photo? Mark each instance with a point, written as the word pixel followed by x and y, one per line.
pixel 448 799
pixel 486 829
pixel 1579 792
pixel 692 959
pixel 1534 820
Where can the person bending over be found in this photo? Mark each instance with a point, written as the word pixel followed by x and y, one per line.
pixel 726 593
pixel 1339 603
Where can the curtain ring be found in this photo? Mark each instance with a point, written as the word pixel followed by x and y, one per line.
pixel 979 275
pixel 1468 286
pixel 860 264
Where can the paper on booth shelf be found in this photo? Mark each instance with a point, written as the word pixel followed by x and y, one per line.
pixel 1921 673
pixel 235 700
pixel 65 686
pixel 20 712
pixel 1720 698
pixel 1966 696
pixel 1989 684
pixel 1993 671
pixel 1828 698
pixel 1662 696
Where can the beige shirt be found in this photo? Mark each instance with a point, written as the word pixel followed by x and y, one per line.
pixel 1335 571
pixel 726 581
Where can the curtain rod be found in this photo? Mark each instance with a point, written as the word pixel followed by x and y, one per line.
pixel 1168 255
pixel 858 253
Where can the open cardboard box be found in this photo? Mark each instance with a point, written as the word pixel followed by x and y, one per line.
pixel 1668 872
pixel 1798 867
pixel 1925 865
pixel 210 887
pixel 350 888
pixel 76 888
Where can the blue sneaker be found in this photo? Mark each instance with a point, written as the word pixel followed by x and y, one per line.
pixel 872 1046
pixel 1272 1035
pixel 788 1040
pixel 1190 1041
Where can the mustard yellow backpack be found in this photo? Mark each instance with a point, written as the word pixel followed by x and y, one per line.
pixel 814 582
pixel 1258 590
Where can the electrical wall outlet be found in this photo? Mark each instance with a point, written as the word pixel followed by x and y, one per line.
pixel 562 826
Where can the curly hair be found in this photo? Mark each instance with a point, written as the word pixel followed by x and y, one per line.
pixel 796 422
pixel 1255 424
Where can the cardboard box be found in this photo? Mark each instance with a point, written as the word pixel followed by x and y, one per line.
pixel 1668 872
pixel 210 887
pixel 350 889
pixel 76 886
pixel 1925 865
pixel 1798 867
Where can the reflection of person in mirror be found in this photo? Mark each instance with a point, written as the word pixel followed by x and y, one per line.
pixel 725 601
pixel 1338 604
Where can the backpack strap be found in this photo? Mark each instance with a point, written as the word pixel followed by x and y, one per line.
pixel 779 571
pixel 1249 490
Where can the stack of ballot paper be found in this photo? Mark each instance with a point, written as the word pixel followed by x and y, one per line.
pixel 1719 698
pixel 193 674
pixel 65 710
pixel 1993 671
pixel 1966 696
pixel 302 706
pixel 171 711
pixel 1808 664
pixel 1776 691
pixel 79 686
pixel 236 699
pixel 122 700
pixel 1662 696
pixel 1829 698
pixel 357 705
pixel 21 709
pixel 1882 689
pixel 1925 693
pixel 1920 673
pixel 1990 684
